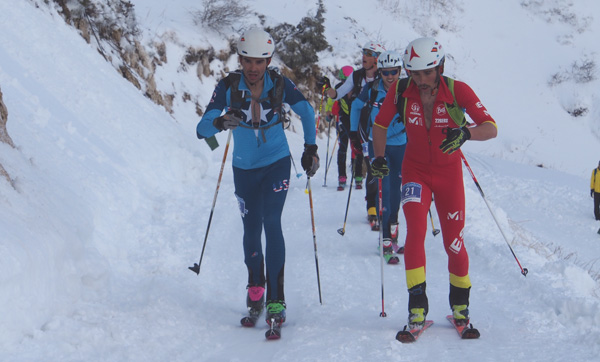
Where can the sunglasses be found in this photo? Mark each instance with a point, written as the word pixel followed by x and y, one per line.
pixel 370 53
pixel 385 73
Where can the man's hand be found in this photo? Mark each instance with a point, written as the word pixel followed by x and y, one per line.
pixel 455 137
pixel 310 160
pixel 323 82
pixel 592 193
pixel 355 142
pixel 229 120
pixel 379 167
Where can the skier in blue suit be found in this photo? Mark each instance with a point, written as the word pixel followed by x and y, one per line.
pixel 253 101
pixel 389 66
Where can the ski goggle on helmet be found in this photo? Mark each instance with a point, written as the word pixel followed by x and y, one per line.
pixel 256 43
pixel 423 53
pixel 345 72
pixel 372 49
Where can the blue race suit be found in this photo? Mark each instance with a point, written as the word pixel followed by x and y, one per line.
pixel 394 152
pixel 261 172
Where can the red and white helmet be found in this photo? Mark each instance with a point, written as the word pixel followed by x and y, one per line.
pixel 389 59
pixel 374 47
pixel 256 43
pixel 423 53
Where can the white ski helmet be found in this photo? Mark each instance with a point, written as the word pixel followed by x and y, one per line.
pixel 374 47
pixel 256 43
pixel 389 59
pixel 423 53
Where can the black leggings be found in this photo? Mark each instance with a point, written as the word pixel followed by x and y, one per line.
pixel 343 128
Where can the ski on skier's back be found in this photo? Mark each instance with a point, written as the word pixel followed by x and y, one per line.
pixel 411 335
pixel 465 331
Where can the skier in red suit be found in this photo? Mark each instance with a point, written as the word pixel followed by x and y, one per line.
pixel 431 166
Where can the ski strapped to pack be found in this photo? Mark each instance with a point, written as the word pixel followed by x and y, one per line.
pixel 455 111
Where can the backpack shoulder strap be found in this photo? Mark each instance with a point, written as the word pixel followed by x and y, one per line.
pixel 374 91
pixel 276 93
pixel 357 78
pixel 454 110
pixel 232 81
pixel 400 101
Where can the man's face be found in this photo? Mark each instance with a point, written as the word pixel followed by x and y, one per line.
pixel 426 79
pixel 369 59
pixel 253 68
pixel 390 75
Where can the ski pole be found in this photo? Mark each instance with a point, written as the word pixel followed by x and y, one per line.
pixel 382 314
pixel 524 271
pixel 434 231
pixel 312 219
pixel 196 267
pixel 298 174
pixel 332 153
pixel 327 154
pixel 342 230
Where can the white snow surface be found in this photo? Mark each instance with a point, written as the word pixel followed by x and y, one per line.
pixel 111 196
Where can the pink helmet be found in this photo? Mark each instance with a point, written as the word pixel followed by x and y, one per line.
pixel 345 72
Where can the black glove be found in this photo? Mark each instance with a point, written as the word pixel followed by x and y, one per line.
pixel 355 142
pixel 455 137
pixel 379 167
pixel 592 193
pixel 230 120
pixel 323 82
pixel 310 160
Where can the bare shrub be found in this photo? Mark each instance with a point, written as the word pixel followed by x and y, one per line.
pixel 580 72
pixel 218 14
pixel 558 11
pixel 584 72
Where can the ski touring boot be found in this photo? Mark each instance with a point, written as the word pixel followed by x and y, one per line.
pixel 275 318
pixel 341 183
pixel 416 318
pixel 461 322
pixel 460 319
pixel 388 252
pixel 459 302
pixel 417 324
pixel 394 234
pixel 255 301
pixel 460 313
pixel 372 218
pixel 358 180
pixel 418 306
